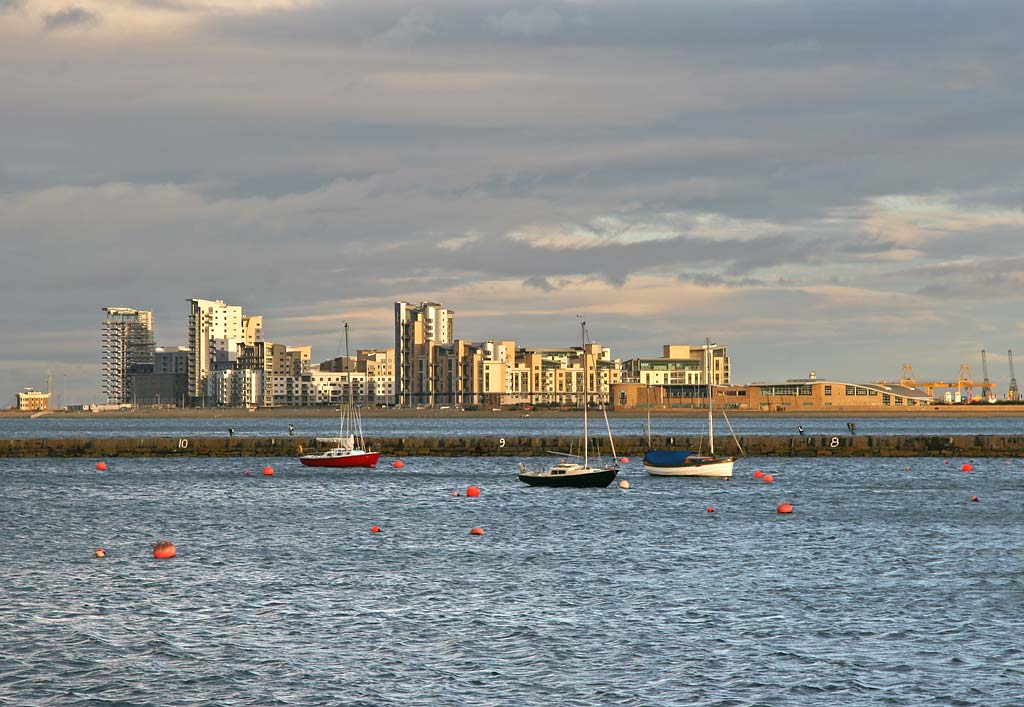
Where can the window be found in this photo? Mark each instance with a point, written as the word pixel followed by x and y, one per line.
pixel 622 397
pixel 828 390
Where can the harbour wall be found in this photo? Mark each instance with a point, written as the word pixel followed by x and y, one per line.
pixel 772 446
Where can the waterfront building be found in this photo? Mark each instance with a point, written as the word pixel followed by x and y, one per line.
pixel 165 383
pixel 418 332
pixel 794 395
pixel 128 347
pixel 32 400
pixel 377 367
pixel 680 365
pixel 215 330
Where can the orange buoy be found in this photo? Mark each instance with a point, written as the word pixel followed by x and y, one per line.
pixel 974 498
pixel 906 468
pixel 624 460
pixel 967 467
pixel 945 461
pixel 758 474
pixel 455 493
pixel 268 471
pixel 398 464
pixel 101 466
pixel 768 478
pixel 473 491
pixel 623 484
pixel 785 508
pixel 100 552
pixel 375 529
pixel 476 531
pixel 710 509
pixel 164 549
pixel 245 473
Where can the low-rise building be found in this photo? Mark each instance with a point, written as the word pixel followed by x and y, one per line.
pixel 32 400
pixel 794 395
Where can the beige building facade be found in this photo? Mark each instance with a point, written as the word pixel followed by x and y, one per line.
pixel 805 395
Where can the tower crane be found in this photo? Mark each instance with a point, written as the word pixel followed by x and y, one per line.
pixel 1012 393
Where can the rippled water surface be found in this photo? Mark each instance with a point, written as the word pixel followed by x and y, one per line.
pixel 434 426
pixel 886 586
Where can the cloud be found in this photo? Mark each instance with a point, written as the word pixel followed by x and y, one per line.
pixel 70 16
pixel 538 21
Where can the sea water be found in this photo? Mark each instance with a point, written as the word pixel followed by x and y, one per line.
pixel 431 425
pixel 886 586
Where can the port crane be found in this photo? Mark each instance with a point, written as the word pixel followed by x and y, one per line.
pixel 929 387
pixel 964 382
pixel 1012 393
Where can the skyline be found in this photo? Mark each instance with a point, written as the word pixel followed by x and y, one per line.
pixel 833 189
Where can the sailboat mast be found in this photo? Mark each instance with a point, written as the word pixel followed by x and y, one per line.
pixel 586 434
pixel 348 370
pixel 707 378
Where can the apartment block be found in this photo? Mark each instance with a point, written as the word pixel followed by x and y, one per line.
pixel 418 331
pixel 681 365
pixel 215 330
pixel 128 347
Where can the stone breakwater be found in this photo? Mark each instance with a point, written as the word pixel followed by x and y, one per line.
pixel 772 446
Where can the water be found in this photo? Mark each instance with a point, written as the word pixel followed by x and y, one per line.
pixel 885 587
pixel 431 426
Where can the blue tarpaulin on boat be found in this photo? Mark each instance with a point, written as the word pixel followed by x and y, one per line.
pixel 658 457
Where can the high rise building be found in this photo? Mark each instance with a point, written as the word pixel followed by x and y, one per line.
pixel 215 330
pixel 418 333
pixel 128 346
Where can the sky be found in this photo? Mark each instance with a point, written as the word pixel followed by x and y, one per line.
pixel 825 185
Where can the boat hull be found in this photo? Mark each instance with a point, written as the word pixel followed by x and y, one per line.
pixel 362 459
pixel 594 478
pixel 720 467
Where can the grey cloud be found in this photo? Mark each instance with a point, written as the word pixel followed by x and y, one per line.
pixel 541 283
pixel 536 22
pixel 70 16
pixel 9 5
pixel 183 6
pixel 784 31
pixel 411 27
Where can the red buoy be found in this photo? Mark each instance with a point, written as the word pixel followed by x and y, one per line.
pixel 100 552
pixel 245 473
pixel 476 531
pixel 768 478
pixel 101 466
pixel 945 461
pixel 473 491
pixel 624 460
pixel 375 529
pixel 785 508
pixel 758 474
pixel 906 468
pixel 164 549
pixel 974 498
pixel 455 493
pixel 398 464
pixel 710 509
pixel 967 467
pixel 268 471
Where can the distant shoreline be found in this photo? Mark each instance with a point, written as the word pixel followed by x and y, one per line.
pixel 329 412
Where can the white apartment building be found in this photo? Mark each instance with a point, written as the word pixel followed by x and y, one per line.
pixel 127 341
pixel 215 330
